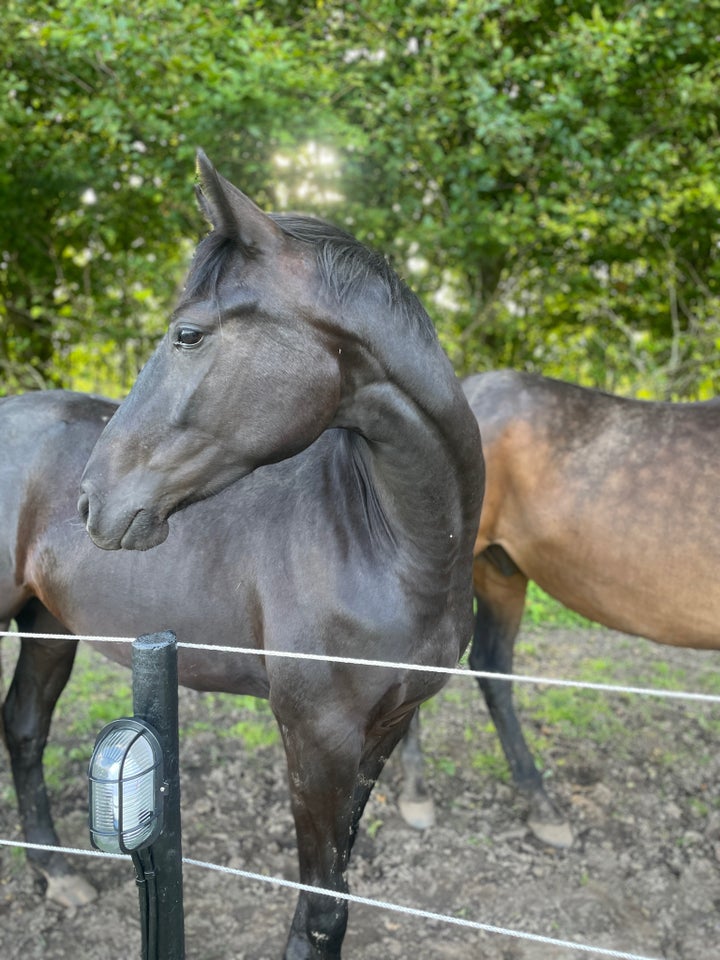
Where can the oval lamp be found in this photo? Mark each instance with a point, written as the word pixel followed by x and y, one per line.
pixel 126 787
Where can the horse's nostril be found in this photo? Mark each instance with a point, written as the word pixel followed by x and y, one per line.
pixel 83 506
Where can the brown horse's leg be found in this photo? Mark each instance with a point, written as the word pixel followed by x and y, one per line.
pixel 415 802
pixel 500 595
pixel 328 790
pixel 42 670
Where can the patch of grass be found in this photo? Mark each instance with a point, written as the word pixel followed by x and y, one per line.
pixel 481 840
pixel 483 749
pixel 94 696
pixel 253 735
pixel 665 677
pixel 450 695
pixel 197 726
pixel 571 712
pixel 13 860
pixel 8 796
pixel 659 673
pixel 55 765
pixel 541 610
pixel 256 725
pixel 710 724
pixel 491 763
pixel 698 807
pixel 373 827
pixel 527 648
pixel 444 765
pixel 666 758
pixel 430 708
pixel 577 714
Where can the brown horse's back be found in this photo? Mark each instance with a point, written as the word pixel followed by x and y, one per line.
pixel 611 505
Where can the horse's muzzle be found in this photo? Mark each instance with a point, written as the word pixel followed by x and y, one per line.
pixel 133 529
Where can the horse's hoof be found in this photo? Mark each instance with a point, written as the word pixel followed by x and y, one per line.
pixel 419 814
pixel 553 834
pixel 69 890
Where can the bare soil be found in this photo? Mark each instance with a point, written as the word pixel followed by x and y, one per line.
pixel 640 789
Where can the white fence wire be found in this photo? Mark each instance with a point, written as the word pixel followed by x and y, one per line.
pixel 399 665
pixel 352 898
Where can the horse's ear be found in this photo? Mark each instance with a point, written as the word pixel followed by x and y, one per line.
pixel 231 212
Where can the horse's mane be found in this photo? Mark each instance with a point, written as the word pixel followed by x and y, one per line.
pixel 346 267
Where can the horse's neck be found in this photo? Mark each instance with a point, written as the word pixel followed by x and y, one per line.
pixel 421 450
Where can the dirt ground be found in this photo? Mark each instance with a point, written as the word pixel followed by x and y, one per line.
pixel 642 877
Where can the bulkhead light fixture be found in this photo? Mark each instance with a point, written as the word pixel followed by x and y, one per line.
pixel 126 787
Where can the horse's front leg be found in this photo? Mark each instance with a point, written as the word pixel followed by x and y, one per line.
pixel 329 788
pixel 323 765
pixel 41 672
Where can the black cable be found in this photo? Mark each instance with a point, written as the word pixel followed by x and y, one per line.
pixel 152 899
pixel 141 883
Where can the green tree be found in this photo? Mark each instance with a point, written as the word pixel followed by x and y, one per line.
pixel 545 173
pixel 555 165
pixel 104 105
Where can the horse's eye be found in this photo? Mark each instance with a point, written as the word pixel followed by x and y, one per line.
pixel 188 337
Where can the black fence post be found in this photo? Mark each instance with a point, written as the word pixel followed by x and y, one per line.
pixel 155 700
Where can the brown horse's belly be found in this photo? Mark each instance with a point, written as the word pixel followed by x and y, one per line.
pixel 652 599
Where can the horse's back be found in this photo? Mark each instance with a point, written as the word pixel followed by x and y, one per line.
pixel 45 440
pixel 577 414
pixel 27 419
pixel 610 504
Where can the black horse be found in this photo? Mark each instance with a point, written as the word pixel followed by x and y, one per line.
pixel 303 417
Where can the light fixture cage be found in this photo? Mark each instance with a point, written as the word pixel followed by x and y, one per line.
pixel 126 787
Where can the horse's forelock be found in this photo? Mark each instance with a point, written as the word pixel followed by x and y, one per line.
pixel 347 267
pixel 209 264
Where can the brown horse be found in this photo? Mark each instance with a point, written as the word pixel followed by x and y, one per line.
pixel 612 506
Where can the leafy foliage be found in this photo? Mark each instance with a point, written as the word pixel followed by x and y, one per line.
pixel 559 165
pixel 104 106
pixel 545 173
